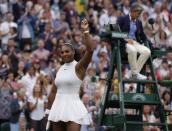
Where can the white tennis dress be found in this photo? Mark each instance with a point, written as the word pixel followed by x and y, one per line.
pixel 67 105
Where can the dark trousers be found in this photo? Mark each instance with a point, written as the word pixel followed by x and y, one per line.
pixel 38 125
pixel 4 125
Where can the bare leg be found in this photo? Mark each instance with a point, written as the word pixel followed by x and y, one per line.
pixel 59 126
pixel 72 126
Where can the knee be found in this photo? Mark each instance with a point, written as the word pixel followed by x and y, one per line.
pixel 131 50
pixel 147 52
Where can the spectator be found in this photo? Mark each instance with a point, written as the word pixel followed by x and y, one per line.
pixel 3 7
pixel 15 113
pixel 70 12
pixel 148 116
pixel 36 106
pixel 169 119
pixel 4 67
pixel 4 31
pixel 104 63
pixel 41 54
pixel 29 80
pixel 5 102
pixel 164 69
pixel 101 84
pixel 166 100
pixel 26 29
pixel 109 16
pixel 47 35
pixel 90 81
pixel 126 7
pixel 20 70
pixel 61 24
pixel 49 13
pixel 162 40
pixel 13 54
pixel 85 99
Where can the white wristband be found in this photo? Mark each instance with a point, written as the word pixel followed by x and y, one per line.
pixel 47 111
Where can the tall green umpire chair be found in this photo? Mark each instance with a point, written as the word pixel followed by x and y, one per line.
pixel 120 121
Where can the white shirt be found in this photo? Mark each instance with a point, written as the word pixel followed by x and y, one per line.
pixel 105 20
pixel 26 33
pixel 126 10
pixel 28 83
pixel 4 7
pixel 4 28
pixel 13 24
pixel 38 111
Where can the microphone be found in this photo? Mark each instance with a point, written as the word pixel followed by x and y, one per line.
pixel 151 21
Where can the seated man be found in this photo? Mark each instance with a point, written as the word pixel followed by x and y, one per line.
pixel 133 26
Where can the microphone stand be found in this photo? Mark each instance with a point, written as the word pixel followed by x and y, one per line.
pixel 154 36
pixel 151 22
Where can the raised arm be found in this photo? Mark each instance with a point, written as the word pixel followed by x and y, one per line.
pixel 82 65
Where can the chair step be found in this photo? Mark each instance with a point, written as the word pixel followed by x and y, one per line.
pixel 132 122
pixel 134 100
pixel 111 128
pixel 129 128
pixel 139 81
pixel 113 119
pixel 118 121
pixel 145 123
pixel 139 98
pixel 159 53
pixel 166 83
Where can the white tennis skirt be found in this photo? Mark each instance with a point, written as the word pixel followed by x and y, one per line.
pixel 69 107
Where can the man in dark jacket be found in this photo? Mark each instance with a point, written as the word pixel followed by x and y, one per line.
pixel 133 26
